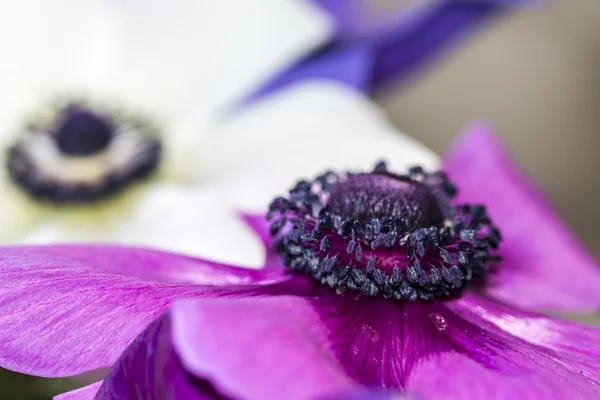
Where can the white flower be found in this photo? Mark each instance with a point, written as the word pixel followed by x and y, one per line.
pixel 159 76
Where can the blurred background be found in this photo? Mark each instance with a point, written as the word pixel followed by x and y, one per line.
pixel 535 76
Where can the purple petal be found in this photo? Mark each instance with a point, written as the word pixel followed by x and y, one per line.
pixel 365 55
pixel 461 349
pixel 544 266
pixel 150 369
pixel 84 393
pixel 65 310
pixel 267 348
pixel 507 354
pixel 259 225
pixel 140 263
pixel 365 394
pixel 355 18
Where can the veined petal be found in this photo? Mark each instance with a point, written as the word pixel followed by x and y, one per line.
pixel 544 266
pixel 300 132
pixel 510 354
pixel 462 349
pixel 173 218
pixel 85 393
pixel 150 369
pixel 65 310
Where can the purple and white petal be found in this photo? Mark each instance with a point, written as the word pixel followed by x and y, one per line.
pixel 65 310
pixel 544 265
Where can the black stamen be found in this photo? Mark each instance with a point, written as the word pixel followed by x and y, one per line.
pixel 410 257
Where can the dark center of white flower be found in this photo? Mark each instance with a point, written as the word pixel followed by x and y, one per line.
pixel 81 132
pixel 397 236
pixel 82 154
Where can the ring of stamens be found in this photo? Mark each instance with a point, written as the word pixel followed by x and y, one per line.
pixel 350 236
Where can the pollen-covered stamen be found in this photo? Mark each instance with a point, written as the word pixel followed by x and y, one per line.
pixel 82 153
pixel 384 234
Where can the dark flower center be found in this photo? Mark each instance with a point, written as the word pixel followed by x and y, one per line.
pixel 367 196
pixel 397 236
pixel 82 132
pixel 82 155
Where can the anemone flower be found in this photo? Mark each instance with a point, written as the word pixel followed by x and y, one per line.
pixel 390 283
pixel 104 130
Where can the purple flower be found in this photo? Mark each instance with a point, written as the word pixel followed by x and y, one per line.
pixel 280 334
pixel 367 53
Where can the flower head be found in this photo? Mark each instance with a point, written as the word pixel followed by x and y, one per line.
pixel 278 333
pixel 384 234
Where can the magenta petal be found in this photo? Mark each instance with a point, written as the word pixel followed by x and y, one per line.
pixel 258 348
pixel 366 394
pixel 140 263
pixel 261 227
pixel 544 266
pixel 65 310
pixel 319 347
pixel 85 393
pixel 149 369
pixel 501 353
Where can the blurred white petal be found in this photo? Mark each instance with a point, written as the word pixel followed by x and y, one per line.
pixel 168 217
pixel 301 132
pixel 58 46
pixel 189 55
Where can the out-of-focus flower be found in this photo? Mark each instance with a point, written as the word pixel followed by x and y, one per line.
pixel 99 95
pixel 285 333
